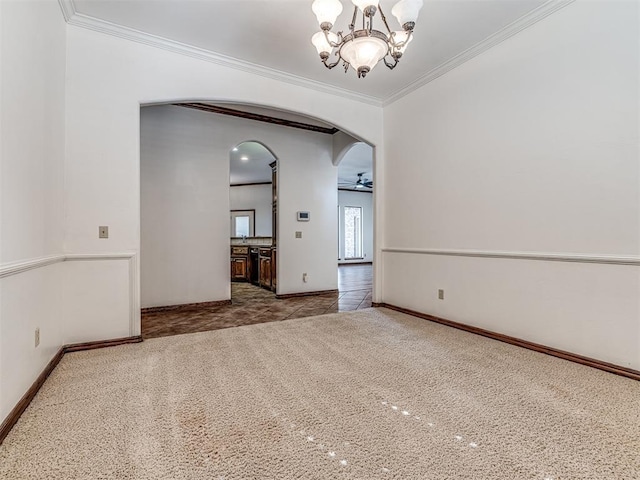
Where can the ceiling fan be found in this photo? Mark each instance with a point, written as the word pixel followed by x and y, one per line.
pixel 360 183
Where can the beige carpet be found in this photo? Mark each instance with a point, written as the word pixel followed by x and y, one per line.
pixel 362 395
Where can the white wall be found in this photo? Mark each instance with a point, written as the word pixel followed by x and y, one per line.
pixel 107 80
pixel 307 181
pixel 530 147
pixel 185 204
pixel 184 208
pixel 363 200
pixel 32 69
pixel 258 198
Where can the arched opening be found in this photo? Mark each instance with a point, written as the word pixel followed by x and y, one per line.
pixel 355 220
pixel 206 156
pixel 253 215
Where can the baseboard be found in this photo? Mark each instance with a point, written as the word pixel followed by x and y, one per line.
pixel 24 402
pixel 573 357
pixel 185 306
pixel 26 399
pixel 305 294
pixel 78 347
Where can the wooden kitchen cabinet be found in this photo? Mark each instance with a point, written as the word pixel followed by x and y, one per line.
pixel 265 268
pixel 240 269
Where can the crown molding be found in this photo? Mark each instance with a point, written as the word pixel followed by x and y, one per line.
pixel 68 9
pixel 74 18
pixel 531 18
pixel 91 23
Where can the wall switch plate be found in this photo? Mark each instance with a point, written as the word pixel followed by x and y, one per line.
pixel 103 232
pixel 441 294
pixel 37 337
pixel 298 234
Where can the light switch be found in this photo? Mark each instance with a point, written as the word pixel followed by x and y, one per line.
pixel 298 234
pixel 103 232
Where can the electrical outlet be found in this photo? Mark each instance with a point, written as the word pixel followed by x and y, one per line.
pixel 103 232
pixel 441 294
pixel 37 337
pixel 305 278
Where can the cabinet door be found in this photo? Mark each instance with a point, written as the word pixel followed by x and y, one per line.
pixel 265 272
pixel 238 269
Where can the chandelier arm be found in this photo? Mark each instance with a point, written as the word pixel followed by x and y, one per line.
pixel 334 44
pixel 384 19
pixel 390 65
pixel 353 20
pixel 394 44
pixel 331 65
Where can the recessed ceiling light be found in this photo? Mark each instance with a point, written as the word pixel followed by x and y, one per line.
pixel 244 158
pixel 235 149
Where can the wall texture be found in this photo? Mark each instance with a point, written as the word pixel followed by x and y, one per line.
pixel 530 147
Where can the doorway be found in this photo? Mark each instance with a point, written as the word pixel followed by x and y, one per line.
pixel 186 238
pixel 253 221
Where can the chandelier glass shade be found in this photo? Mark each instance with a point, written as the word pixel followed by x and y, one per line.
pixel 363 48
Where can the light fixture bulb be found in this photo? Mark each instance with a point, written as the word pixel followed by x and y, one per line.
pixel 406 12
pixel 320 42
pixel 234 149
pixel 326 12
pixel 364 53
pixel 363 4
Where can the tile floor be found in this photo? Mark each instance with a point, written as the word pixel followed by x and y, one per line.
pixel 251 304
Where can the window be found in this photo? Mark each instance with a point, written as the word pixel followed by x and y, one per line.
pixel 352 233
pixel 242 222
pixel 242 226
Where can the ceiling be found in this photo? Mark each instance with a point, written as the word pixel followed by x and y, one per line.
pixel 359 159
pixel 275 34
pixel 250 163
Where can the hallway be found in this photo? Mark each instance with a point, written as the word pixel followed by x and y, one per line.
pixel 251 304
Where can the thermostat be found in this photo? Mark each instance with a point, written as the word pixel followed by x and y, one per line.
pixel 303 216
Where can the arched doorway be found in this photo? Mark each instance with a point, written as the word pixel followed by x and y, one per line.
pixel 186 155
pixel 253 220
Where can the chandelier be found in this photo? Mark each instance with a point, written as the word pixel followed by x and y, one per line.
pixel 362 49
